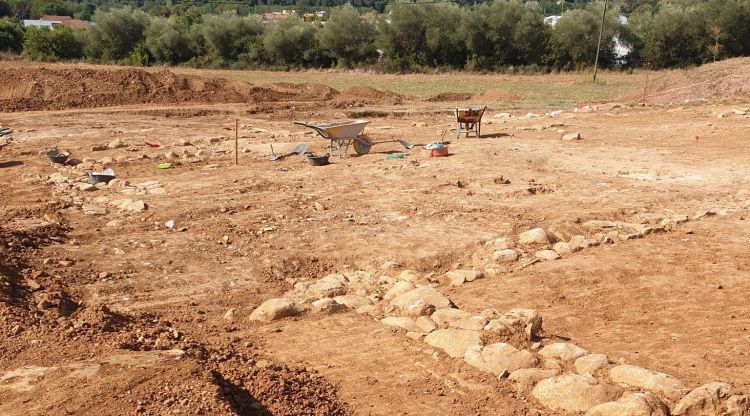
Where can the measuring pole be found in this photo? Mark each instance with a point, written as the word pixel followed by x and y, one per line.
pixel 236 141
pixel 599 43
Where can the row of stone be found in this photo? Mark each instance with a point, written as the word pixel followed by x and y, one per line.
pixel 561 376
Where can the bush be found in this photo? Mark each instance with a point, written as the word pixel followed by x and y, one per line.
pixel 11 36
pixel 675 36
pixel 45 44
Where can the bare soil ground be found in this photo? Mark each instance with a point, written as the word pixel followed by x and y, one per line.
pixel 116 314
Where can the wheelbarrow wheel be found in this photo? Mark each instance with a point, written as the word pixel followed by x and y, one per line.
pixel 362 145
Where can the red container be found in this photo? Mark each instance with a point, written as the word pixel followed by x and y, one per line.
pixel 443 151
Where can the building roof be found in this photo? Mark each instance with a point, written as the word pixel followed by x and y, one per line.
pixel 56 18
pixel 76 23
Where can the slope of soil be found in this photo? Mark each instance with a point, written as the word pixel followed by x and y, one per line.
pixel 371 95
pixel 450 96
pixel 726 81
pixel 60 88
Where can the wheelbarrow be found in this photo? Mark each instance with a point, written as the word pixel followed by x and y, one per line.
pixel 468 120
pixel 343 134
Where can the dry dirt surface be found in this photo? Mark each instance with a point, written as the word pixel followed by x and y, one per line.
pixel 158 293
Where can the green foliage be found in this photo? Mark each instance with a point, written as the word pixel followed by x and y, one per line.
pixel 116 33
pixel 45 44
pixel 227 37
pixel 292 42
pixel 11 36
pixel 675 36
pixel 505 33
pixel 574 39
pixel 349 37
pixel 166 42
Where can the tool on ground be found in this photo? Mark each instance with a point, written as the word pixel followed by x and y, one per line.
pixel 150 143
pixel 343 134
pixel 298 150
pixel 469 120
pixel 4 131
pixel 318 160
pixel 57 156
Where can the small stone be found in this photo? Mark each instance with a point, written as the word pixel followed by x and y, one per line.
pixel 398 288
pixel 459 277
pixel 90 209
pixel 569 137
pixel 116 144
pixel 118 251
pixel 424 295
pixel 229 314
pixel 444 316
pixel 499 357
pixel 352 301
pixel 409 276
pixel 319 207
pixel 474 323
pixel 526 378
pixel 562 248
pixel 326 287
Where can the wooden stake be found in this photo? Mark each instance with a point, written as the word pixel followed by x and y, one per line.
pixel 236 141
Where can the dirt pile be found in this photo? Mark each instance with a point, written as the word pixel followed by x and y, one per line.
pixel 369 95
pixel 450 96
pixel 29 89
pixel 726 81
pixel 500 94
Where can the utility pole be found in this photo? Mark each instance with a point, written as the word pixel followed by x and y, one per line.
pixel 599 44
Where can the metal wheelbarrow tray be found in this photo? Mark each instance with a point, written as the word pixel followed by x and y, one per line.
pixel 345 133
pixel 468 120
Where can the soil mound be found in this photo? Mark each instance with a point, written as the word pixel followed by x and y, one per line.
pixel 450 96
pixel 62 88
pixel 369 95
pixel 725 81
pixel 500 94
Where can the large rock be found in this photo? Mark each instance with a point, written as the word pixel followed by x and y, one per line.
pixel 536 236
pixel 590 364
pixel 401 322
pixel 574 393
pixel 547 255
pixel 409 276
pixel 562 351
pixel 562 248
pixel 495 358
pixel 708 400
pixel 352 301
pixel 424 295
pixel 474 322
pixel 274 309
pixel 425 324
pixel 526 378
pixel 443 317
pixel 459 277
pixel 326 287
pixel 397 289
pixel 518 320
pixel 505 255
pixel 454 342
pixel 662 384
pixel 636 404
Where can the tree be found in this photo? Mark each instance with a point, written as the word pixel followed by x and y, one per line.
pixel 11 36
pixel 166 42
pixel 349 37
pixel 227 37
pixel 574 38
pixel 505 33
pixel 675 36
pixel 116 33
pixel 292 42
pixel 45 44
pixel 401 35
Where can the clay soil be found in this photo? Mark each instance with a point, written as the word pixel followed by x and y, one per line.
pixel 117 315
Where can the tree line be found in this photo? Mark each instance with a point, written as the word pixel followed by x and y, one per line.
pixel 491 36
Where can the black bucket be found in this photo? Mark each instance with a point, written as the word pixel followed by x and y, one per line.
pixel 57 156
pixel 318 160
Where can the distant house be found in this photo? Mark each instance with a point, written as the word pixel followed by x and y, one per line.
pixel 551 20
pixel 271 17
pixel 53 21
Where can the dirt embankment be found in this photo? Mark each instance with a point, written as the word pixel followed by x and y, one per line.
pixel 31 89
pixel 724 81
